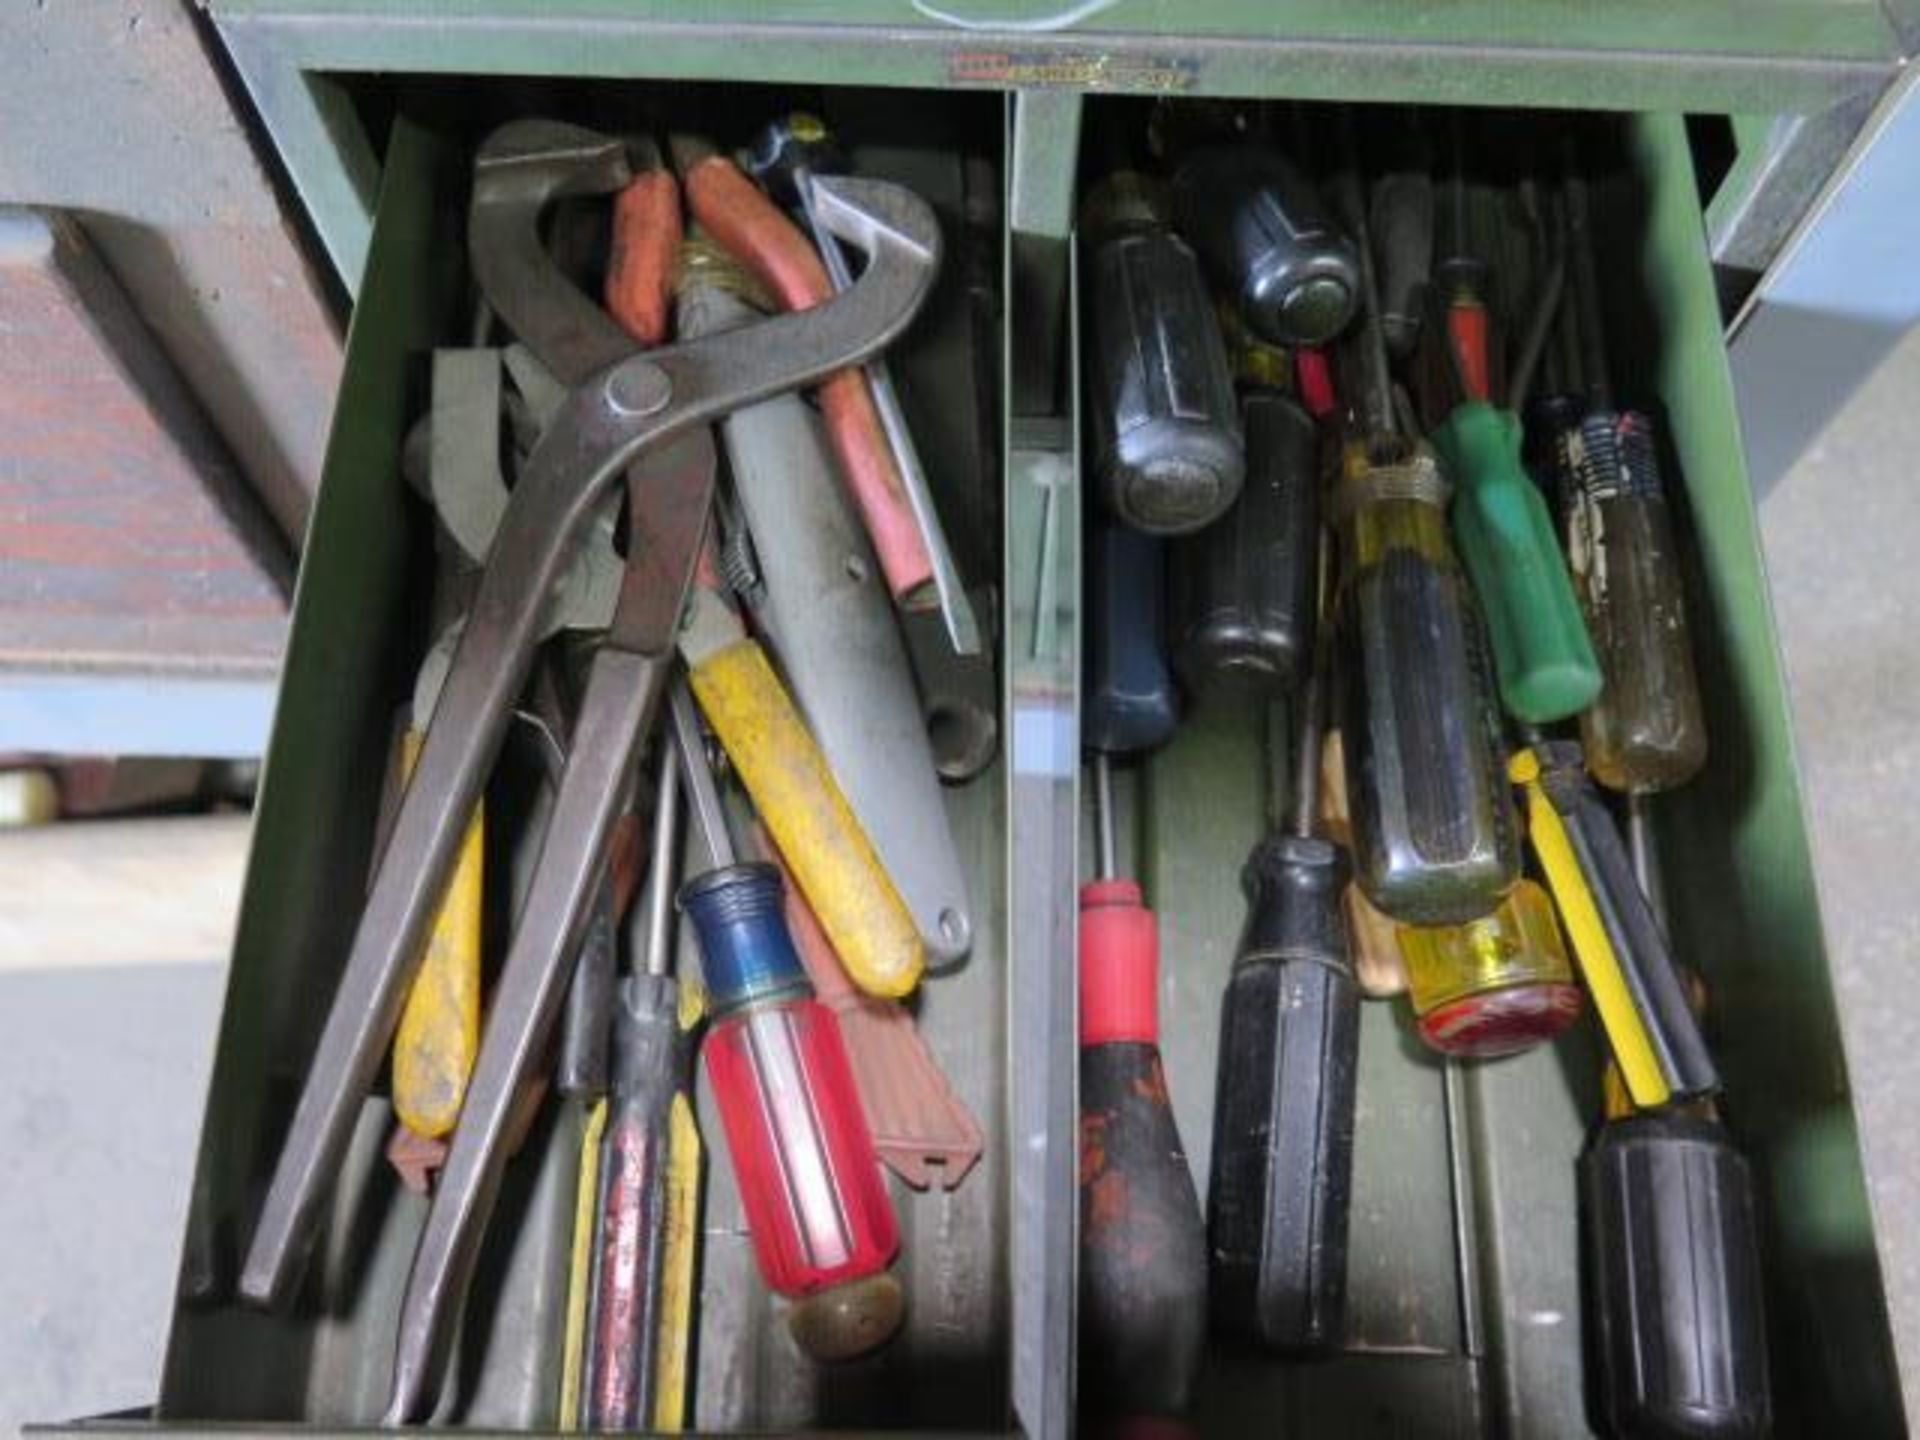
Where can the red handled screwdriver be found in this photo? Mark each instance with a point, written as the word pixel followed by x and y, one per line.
pixel 1143 1260
pixel 817 1207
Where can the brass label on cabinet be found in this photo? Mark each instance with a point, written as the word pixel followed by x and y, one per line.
pixel 1072 70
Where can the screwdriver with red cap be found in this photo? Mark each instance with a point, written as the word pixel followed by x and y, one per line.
pixel 1143 1262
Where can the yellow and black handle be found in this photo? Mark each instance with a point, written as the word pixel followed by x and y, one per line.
pixel 1622 952
pixel 1676 1314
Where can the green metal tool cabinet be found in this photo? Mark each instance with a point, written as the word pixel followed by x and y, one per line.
pixel 1464 1285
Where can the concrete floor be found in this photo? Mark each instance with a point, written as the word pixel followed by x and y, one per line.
pixel 105 1075
pixel 1840 533
pixel 103 1064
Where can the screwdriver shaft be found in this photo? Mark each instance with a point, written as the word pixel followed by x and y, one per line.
pixel 1646 857
pixel 665 858
pixel 1586 292
pixel 1106 861
pixel 705 796
pixel 1379 416
pixel 1549 291
pixel 1306 780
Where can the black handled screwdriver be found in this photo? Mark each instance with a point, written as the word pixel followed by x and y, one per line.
pixel 1243 591
pixel 1260 228
pixel 1131 705
pixel 1282 1173
pixel 1674 1295
pixel 1164 445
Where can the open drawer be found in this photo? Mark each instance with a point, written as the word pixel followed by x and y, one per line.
pixel 1464 1289
pixel 357 637
pixel 1464 1299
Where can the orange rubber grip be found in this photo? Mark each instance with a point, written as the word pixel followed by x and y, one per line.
pixel 750 227
pixel 646 240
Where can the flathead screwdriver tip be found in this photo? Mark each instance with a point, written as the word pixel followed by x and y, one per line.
pixel 402 1398
pixel 256 1285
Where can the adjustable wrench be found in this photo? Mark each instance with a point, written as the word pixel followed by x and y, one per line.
pixel 787 156
pixel 632 404
pixel 956 681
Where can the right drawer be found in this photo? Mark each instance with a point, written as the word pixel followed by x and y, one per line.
pixel 1467 1311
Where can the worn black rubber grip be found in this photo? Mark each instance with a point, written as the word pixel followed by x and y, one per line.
pixel 1245 591
pixel 1130 702
pixel 1143 1261
pixel 1674 1306
pixel 1282 1171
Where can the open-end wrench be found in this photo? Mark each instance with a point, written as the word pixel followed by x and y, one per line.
pixel 958 690
pixel 824 612
pixel 633 404
pixel 789 155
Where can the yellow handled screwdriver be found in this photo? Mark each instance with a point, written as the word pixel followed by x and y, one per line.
pixel 798 799
pixel 1622 952
pixel 439 1031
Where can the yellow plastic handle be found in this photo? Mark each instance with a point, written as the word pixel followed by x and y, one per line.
pixel 586 1204
pixel 673 1337
pixel 1599 965
pixel 679 1251
pixel 439 1033
pixel 680 1229
pixel 804 810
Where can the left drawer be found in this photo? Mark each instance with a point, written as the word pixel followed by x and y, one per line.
pixel 362 621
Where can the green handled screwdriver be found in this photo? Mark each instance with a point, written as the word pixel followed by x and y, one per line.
pixel 1543 657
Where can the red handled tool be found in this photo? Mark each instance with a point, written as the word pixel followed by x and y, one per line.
pixel 1143 1261
pixel 816 1203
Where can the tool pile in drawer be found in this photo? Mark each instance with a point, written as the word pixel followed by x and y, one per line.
pixel 1384 613
pixel 667 585
pixel 1354 454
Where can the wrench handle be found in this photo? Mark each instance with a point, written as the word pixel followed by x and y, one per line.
pixel 622 696
pixel 804 810
pixel 646 241
pixel 751 228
